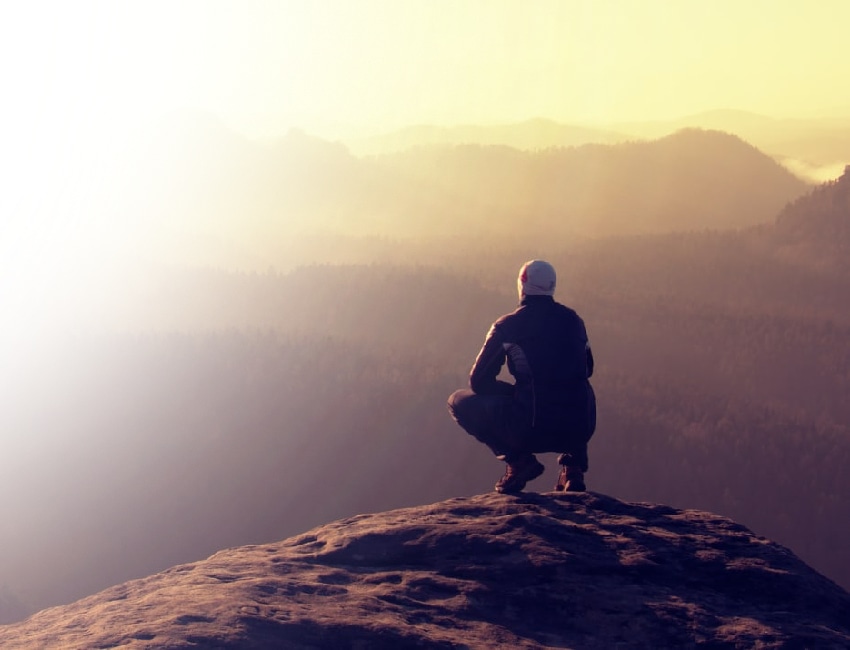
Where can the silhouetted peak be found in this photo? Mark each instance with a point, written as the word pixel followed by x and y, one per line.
pixel 534 570
pixel 821 216
pixel 709 139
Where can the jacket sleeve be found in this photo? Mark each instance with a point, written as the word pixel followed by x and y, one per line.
pixel 589 360
pixel 488 364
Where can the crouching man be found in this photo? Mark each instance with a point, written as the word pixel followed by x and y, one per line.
pixel 551 406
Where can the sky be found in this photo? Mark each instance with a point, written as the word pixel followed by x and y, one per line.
pixel 97 67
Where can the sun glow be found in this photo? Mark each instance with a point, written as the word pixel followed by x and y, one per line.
pixel 93 67
pixel 83 79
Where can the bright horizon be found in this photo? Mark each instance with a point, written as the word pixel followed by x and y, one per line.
pixel 376 65
pixel 83 78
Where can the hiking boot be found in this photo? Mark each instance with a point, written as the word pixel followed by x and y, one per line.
pixel 519 472
pixel 570 479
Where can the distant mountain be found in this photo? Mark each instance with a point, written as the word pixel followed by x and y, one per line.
pixel 529 135
pixel 815 149
pixel 197 193
pixel 691 180
pixel 822 215
pixel 530 571
pixel 814 230
pixel 736 122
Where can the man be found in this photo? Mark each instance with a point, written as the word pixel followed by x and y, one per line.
pixel 551 406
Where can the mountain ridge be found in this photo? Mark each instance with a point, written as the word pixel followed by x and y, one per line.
pixel 822 215
pixel 538 133
pixel 690 180
pixel 811 147
pixel 201 195
pixel 526 571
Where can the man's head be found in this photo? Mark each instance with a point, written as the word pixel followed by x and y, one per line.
pixel 536 278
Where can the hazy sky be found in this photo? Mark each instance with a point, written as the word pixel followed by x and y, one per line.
pixel 264 66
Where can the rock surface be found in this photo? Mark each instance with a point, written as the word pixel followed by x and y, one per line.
pixel 490 571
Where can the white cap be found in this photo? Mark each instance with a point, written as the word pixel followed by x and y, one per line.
pixel 536 278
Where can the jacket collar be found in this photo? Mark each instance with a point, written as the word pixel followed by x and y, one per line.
pixel 536 300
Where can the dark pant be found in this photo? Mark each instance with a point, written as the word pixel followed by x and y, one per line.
pixel 488 419
pixel 496 421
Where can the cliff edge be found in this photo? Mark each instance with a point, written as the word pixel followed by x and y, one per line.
pixel 489 571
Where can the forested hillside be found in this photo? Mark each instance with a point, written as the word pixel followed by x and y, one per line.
pixel 822 215
pixel 247 407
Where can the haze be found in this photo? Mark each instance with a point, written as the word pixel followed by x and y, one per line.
pixel 248 248
pixel 380 65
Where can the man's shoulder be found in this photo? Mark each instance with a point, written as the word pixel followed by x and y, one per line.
pixel 501 323
pixel 525 311
pixel 567 310
pixel 509 317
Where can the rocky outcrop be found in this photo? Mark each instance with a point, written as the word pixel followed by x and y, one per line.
pixel 527 571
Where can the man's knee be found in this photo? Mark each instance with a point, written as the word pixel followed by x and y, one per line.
pixel 457 402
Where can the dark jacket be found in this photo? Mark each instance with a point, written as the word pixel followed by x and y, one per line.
pixel 548 353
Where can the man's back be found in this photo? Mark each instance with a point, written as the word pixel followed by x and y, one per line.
pixel 546 347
